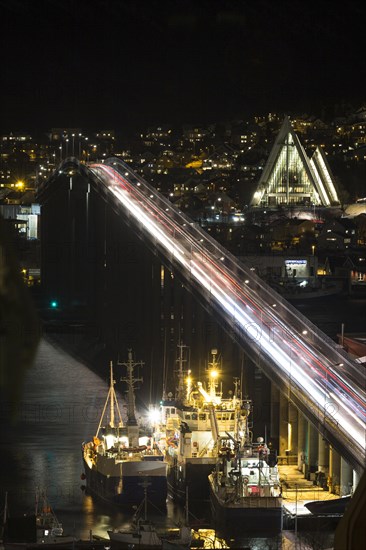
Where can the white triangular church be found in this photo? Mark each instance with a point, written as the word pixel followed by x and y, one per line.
pixel 290 177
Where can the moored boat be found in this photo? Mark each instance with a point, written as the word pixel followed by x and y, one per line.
pixel 332 507
pixel 294 290
pixel 39 529
pixel 187 429
pixel 245 489
pixel 118 458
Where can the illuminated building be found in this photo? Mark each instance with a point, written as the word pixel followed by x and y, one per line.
pixel 290 177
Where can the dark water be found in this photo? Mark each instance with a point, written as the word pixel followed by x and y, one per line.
pixel 60 408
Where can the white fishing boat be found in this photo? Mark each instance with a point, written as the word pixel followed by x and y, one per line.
pixel 119 458
pixel 245 488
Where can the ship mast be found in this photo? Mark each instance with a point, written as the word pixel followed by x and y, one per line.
pixel 181 391
pixel 131 381
pixel 213 373
pixel 112 400
pixel 111 385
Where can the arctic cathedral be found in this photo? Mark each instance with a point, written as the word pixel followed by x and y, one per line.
pixel 291 178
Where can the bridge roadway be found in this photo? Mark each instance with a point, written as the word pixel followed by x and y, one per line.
pixel 311 369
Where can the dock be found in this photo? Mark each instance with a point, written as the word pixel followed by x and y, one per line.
pixel 296 492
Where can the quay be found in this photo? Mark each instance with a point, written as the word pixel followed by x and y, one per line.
pixel 296 492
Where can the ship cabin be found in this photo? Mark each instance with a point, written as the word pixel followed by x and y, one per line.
pixel 200 420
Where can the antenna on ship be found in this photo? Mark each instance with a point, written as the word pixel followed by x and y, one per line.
pixel 165 372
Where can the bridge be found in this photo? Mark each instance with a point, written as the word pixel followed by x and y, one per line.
pixel 310 369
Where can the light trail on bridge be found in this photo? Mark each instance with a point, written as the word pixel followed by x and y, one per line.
pixel 336 399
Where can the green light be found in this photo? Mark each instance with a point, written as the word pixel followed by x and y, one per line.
pixel 54 304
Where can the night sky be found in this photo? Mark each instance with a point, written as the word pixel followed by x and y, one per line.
pixel 125 64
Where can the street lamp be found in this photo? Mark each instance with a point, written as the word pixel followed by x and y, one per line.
pixel 73 144
pixel 87 149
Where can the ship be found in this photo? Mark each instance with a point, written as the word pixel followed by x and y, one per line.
pixel 245 488
pixel 185 429
pixel 299 290
pixel 118 459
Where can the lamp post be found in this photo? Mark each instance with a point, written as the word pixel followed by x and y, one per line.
pixel 86 149
pixel 73 144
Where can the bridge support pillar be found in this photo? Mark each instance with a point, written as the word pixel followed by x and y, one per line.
pixel 312 465
pixel 323 454
pixel 334 471
pixel 355 479
pixel 301 441
pixel 323 462
pixel 284 426
pixel 346 478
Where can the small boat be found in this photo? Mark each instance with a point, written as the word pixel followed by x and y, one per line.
pixel 40 529
pixel 120 457
pixel 331 507
pixel 143 534
pixel 300 290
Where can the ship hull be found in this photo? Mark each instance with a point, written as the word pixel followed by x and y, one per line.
pixel 126 490
pixel 191 478
pixel 143 540
pixel 251 514
pixel 331 507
